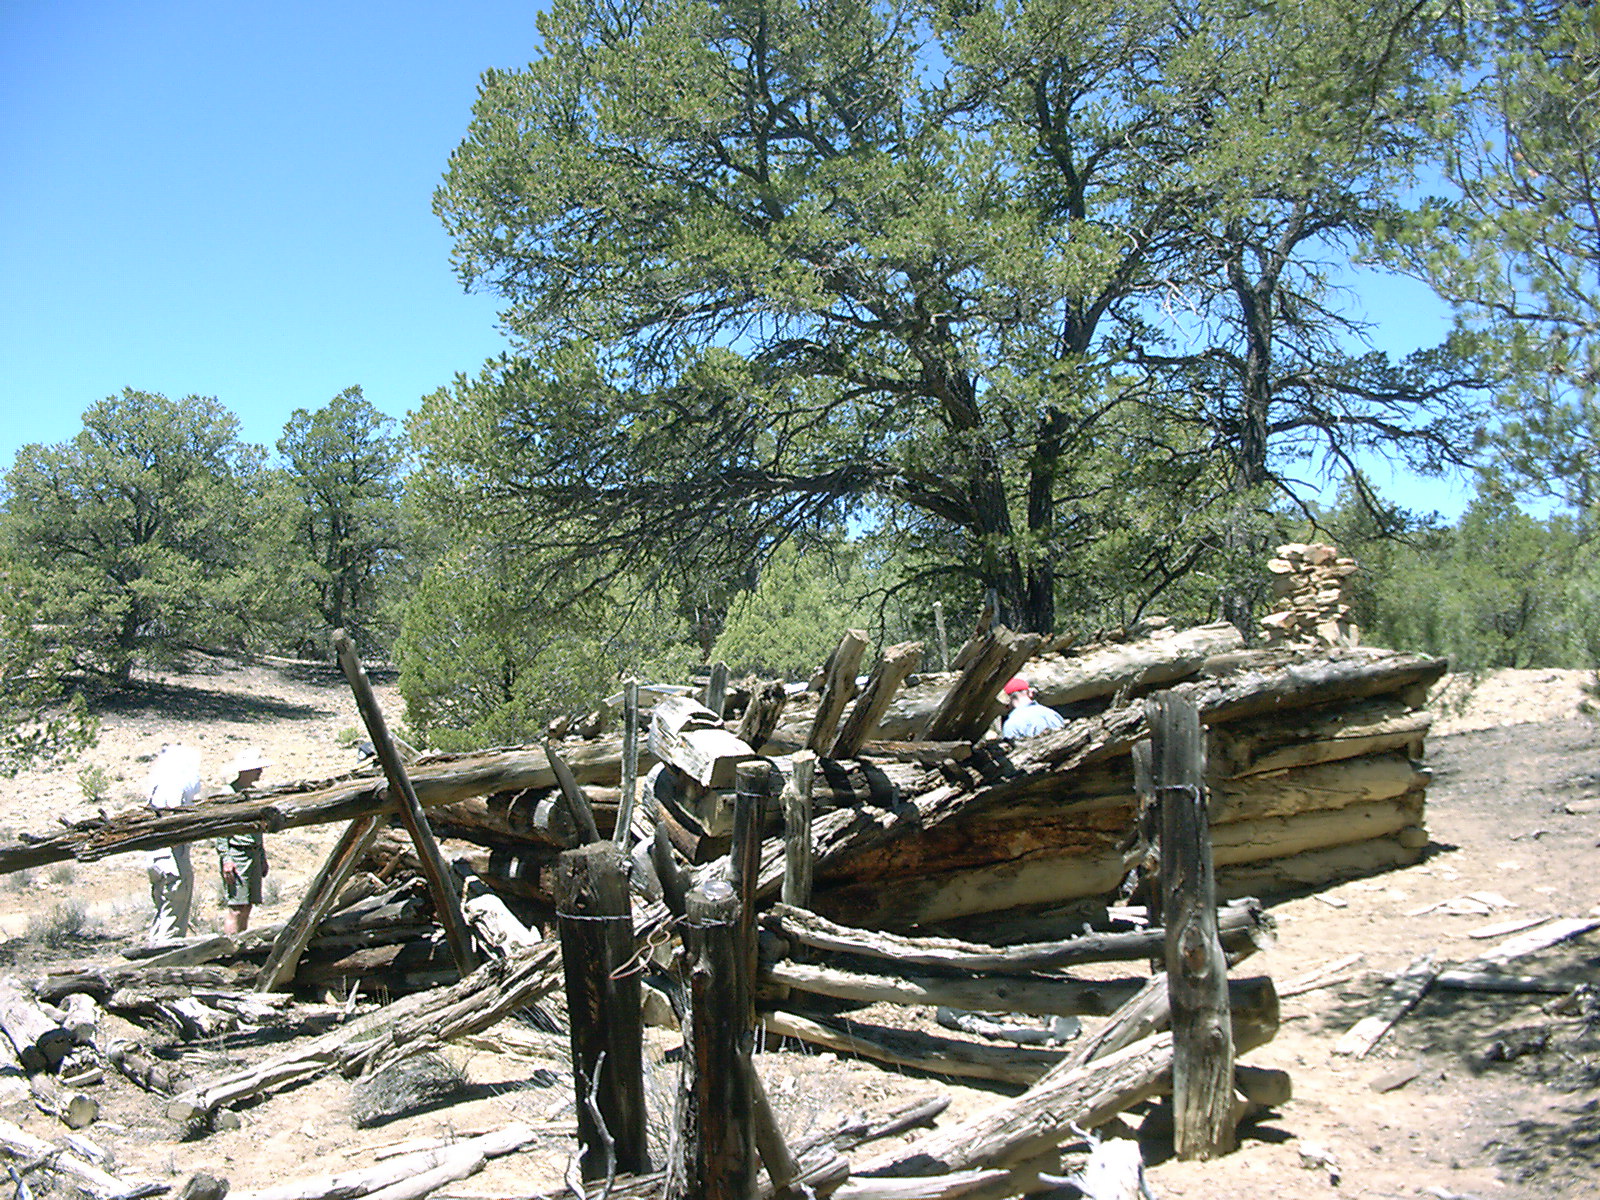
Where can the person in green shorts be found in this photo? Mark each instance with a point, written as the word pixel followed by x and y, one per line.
pixel 242 856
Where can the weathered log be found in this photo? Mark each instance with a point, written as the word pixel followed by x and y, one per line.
pixel 317 902
pixel 1197 972
pixel 364 1181
pixel 1243 925
pixel 81 1018
pixel 446 906
pixel 693 740
pixel 798 866
pixel 838 689
pixel 75 1110
pixel 1325 734
pixel 927 1052
pixel 85 1176
pixel 603 1001
pixel 39 1042
pixel 499 931
pixel 151 1074
pixel 762 714
pixel 1037 996
pixel 972 703
pixel 1038 1120
pixel 439 779
pixel 628 800
pixel 1093 672
pixel 862 722
pixel 1316 868
pixel 408 1026
pixel 1400 998
pixel 1352 673
pixel 1316 788
pixel 716 1154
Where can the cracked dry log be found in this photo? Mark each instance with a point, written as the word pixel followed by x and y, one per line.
pixel 1244 926
pixel 415 1023
pixel 1040 1119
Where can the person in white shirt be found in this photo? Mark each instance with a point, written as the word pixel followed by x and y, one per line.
pixel 1027 718
pixel 173 782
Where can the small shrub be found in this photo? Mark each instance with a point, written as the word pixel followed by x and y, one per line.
pixel 61 926
pixel 63 873
pixel 95 783
pixel 347 737
pixel 19 881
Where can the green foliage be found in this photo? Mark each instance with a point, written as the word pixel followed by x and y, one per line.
pixel 1515 243
pixel 95 783
pixel 344 476
pixel 129 536
pixel 992 274
pixel 41 721
pixel 1500 588
pixel 789 624
pixel 484 661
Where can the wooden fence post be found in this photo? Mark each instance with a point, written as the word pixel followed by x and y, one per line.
pixel 717 689
pixel 716 1155
pixel 1197 972
pixel 744 866
pixel 604 1007
pixel 944 645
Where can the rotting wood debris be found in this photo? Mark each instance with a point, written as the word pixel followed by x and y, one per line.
pixel 947 868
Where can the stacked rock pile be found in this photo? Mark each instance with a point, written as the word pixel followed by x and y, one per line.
pixel 1308 580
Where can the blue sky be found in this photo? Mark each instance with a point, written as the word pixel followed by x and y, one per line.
pixel 234 200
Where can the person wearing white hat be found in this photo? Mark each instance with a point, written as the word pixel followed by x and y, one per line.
pixel 242 856
pixel 173 782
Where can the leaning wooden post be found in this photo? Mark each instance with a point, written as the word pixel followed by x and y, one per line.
pixel 284 957
pixel 445 901
pixel 623 834
pixel 604 1007
pixel 716 1155
pixel 938 624
pixel 1197 973
pixel 798 856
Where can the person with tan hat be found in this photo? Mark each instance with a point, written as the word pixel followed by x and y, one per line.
pixel 242 856
pixel 1027 718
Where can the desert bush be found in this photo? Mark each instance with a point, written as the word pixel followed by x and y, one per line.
pixel 64 924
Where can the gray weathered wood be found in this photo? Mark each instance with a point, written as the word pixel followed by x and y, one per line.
pixel 716 1153
pixel 838 689
pixel 317 902
pixel 604 1009
pixel 798 873
pixel 446 906
pixel 972 703
pixel 862 721
pixel 1197 970
pixel 622 834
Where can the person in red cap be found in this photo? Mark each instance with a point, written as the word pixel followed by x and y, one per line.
pixel 1027 718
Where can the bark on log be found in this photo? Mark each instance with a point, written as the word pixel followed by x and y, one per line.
pixel 838 689
pixel 406 1027
pixel 692 739
pixel 862 722
pixel 1317 868
pixel 1325 734
pixel 1244 927
pixel 1040 1119
pixel 762 714
pixel 317 902
pixel 1354 673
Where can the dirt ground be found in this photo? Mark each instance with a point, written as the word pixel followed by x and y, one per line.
pixel 1500 1099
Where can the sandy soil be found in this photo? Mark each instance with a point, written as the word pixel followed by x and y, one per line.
pixel 1501 1099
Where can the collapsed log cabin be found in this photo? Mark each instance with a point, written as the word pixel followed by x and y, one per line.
pixel 1314 768
pixel 923 822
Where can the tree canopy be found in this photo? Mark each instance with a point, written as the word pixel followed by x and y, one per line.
pixel 991 269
